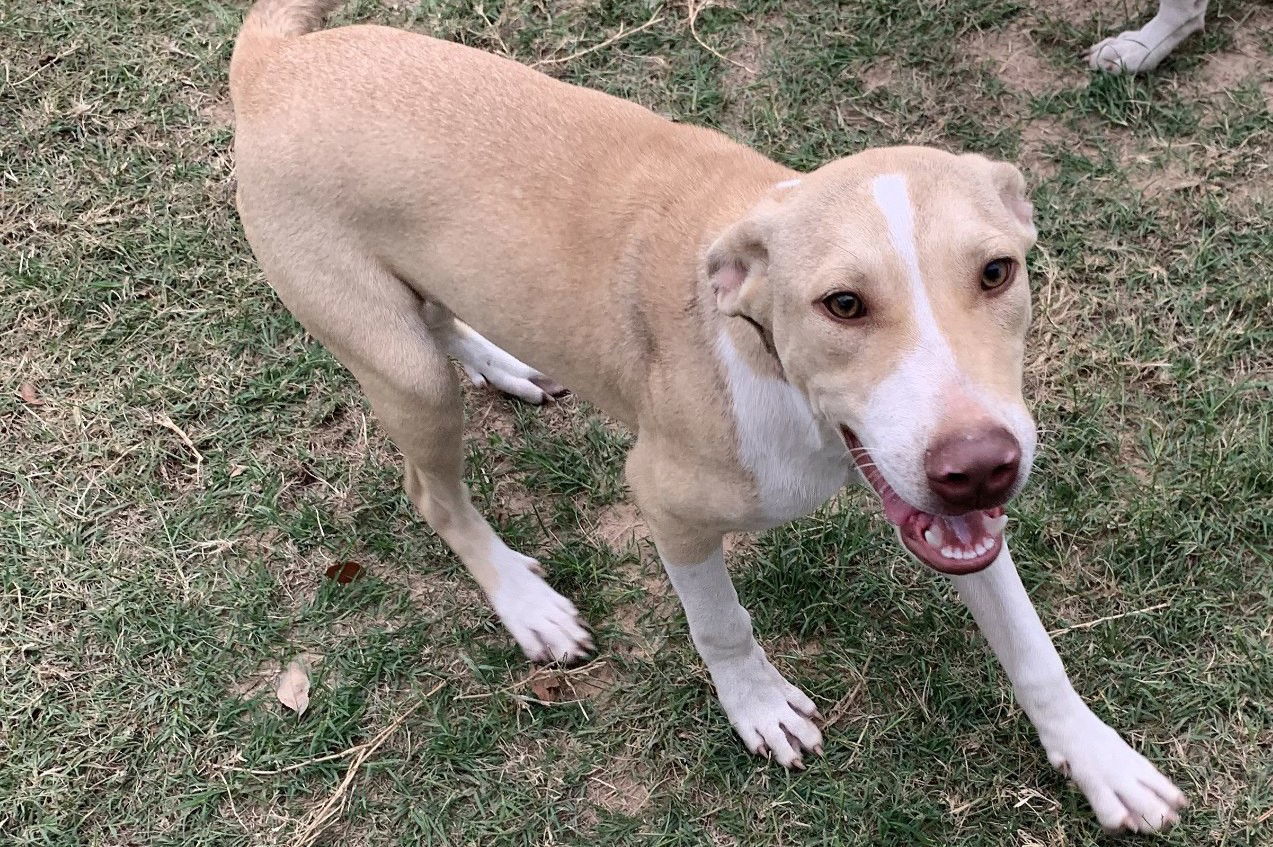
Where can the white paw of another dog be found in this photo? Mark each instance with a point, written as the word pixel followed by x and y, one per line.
pixel 1125 791
pixel 772 716
pixel 545 625
pixel 485 364
pixel 1140 51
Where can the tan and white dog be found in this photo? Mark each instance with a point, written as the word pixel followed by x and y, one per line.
pixel 769 336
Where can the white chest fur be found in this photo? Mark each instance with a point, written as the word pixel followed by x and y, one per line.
pixel 798 464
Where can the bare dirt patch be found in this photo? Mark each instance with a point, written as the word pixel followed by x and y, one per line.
pixel 1017 59
pixel 881 74
pixel 1246 61
pixel 1039 138
pixel 623 786
pixel 569 685
pixel 621 528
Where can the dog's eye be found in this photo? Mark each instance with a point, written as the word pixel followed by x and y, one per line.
pixel 997 274
pixel 844 305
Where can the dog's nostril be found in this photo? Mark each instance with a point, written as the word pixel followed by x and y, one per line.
pixel 974 470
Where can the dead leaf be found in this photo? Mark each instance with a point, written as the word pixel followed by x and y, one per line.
pixel 29 395
pixel 292 687
pixel 547 686
pixel 235 470
pixel 344 572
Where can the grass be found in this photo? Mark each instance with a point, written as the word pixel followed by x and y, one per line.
pixel 192 463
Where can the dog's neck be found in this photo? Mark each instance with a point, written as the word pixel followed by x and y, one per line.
pixel 755 345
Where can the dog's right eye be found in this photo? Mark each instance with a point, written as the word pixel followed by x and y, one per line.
pixel 844 305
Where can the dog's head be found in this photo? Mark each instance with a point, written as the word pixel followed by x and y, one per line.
pixel 893 286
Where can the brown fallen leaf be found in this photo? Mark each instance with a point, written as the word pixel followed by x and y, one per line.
pixel 29 395
pixel 344 572
pixel 292 687
pixel 548 687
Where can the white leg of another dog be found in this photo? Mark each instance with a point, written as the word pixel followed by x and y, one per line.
pixel 1123 788
pixel 484 363
pixel 1140 51
pixel 772 716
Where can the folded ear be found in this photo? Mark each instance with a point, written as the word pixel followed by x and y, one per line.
pixel 737 263
pixel 1010 185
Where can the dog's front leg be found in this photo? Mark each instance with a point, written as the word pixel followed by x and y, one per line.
pixel 772 716
pixel 1124 789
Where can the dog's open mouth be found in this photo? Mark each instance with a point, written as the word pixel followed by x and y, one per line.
pixel 951 544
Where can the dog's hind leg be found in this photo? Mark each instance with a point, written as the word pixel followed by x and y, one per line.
pixel 485 364
pixel 379 329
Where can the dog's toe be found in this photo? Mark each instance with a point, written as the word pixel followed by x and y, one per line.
pixel 544 624
pixel 770 715
pixel 1126 791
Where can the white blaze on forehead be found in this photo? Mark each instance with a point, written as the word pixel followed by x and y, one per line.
pixel 904 409
pixel 894 202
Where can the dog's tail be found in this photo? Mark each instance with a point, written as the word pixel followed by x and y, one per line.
pixel 269 23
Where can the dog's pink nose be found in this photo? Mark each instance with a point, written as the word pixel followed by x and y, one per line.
pixel 974 469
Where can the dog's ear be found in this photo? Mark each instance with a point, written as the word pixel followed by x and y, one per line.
pixel 737 263
pixel 1010 186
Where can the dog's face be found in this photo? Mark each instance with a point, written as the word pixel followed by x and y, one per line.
pixel 893 285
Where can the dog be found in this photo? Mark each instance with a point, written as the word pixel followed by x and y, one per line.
pixel 769 336
pixel 1140 51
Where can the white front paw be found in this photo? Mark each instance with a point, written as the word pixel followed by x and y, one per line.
pixel 773 717
pixel 1123 53
pixel 1141 50
pixel 545 625
pixel 1123 788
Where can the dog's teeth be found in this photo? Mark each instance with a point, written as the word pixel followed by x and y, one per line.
pixel 949 552
pixel 933 536
pixel 994 526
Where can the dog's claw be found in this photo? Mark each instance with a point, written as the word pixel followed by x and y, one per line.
pixel 550 387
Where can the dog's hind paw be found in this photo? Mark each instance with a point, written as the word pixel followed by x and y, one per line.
pixel 1125 791
pixel 485 364
pixel 772 716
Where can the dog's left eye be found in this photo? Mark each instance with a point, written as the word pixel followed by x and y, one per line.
pixel 844 305
pixel 997 274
